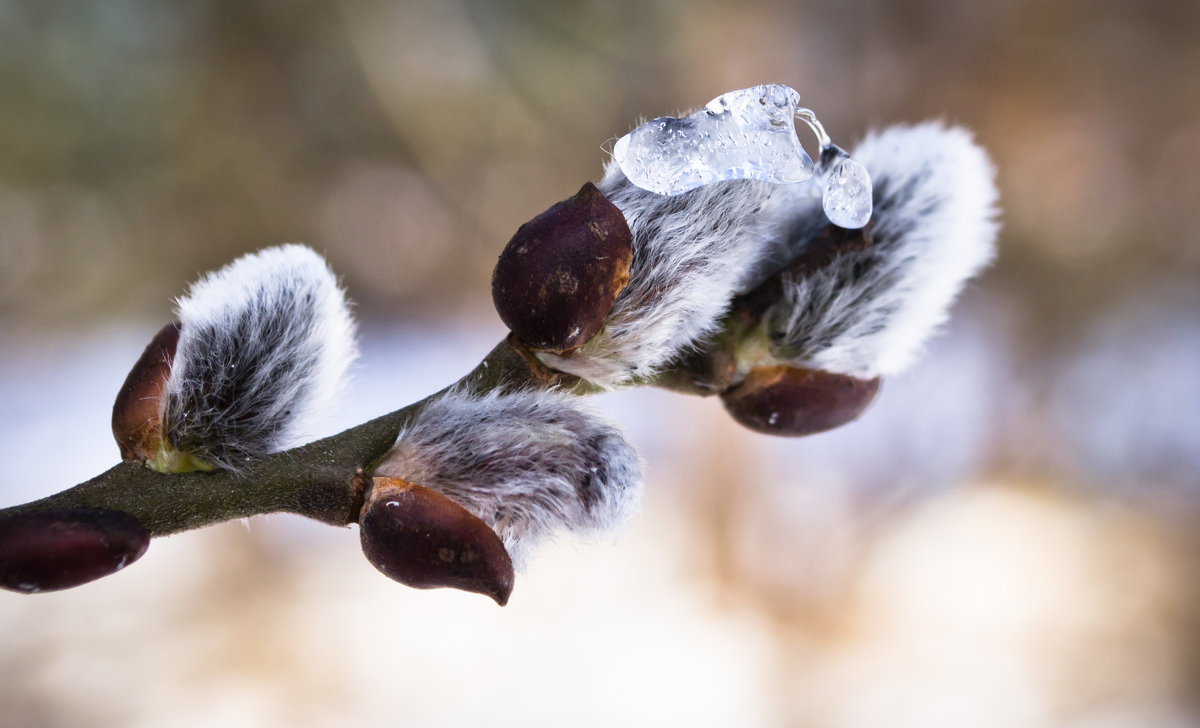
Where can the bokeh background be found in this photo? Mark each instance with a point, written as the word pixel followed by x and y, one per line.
pixel 1007 538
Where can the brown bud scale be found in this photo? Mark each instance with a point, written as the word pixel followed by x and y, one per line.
pixel 782 400
pixel 558 277
pixel 137 413
pixel 58 549
pixel 423 539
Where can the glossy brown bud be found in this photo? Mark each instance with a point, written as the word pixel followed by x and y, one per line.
pixel 58 549
pixel 558 277
pixel 422 539
pixel 782 400
pixel 137 413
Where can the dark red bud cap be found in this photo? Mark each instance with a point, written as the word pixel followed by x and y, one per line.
pixel 58 549
pixel 782 400
pixel 422 539
pixel 136 420
pixel 558 277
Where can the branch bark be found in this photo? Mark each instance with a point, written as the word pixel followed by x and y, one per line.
pixel 325 480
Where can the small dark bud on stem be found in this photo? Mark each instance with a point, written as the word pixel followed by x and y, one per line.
pixel 782 400
pixel 137 413
pixel 422 539
pixel 58 549
pixel 558 277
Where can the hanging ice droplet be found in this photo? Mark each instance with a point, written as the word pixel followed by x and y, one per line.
pixel 746 134
pixel 847 196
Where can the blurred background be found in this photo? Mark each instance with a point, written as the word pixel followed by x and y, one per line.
pixel 1009 537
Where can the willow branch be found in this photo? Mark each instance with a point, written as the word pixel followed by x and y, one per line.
pixel 328 480
pixel 324 480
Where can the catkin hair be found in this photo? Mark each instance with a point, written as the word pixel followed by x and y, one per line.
pixel 529 464
pixel 691 253
pixel 263 348
pixel 868 312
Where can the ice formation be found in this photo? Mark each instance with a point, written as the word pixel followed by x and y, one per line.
pixel 744 134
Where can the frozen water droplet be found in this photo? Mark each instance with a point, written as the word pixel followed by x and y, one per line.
pixel 847 196
pixel 746 134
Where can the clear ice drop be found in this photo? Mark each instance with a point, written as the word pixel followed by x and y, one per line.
pixel 746 134
pixel 847 196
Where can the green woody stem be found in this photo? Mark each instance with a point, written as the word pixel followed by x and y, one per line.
pixel 324 480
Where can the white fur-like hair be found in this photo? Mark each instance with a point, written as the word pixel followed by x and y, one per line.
pixel 691 253
pixel 529 464
pixel 869 312
pixel 263 348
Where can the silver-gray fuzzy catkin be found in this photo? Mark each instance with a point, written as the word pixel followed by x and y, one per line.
pixel 869 312
pixel 263 348
pixel 691 254
pixel 529 464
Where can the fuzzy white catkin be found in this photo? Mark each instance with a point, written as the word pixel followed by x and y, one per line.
pixel 869 312
pixel 691 253
pixel 529 464
pixel 263 348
